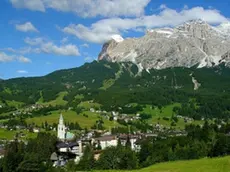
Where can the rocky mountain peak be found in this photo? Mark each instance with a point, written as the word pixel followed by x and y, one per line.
pixel 196 28
pixel 192 43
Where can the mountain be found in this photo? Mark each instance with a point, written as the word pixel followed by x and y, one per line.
pixel 192 43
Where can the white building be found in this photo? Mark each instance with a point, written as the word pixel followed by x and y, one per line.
pixel 36 130
pixel 106 141
pixel 61 132
pixel 110 140
pixel 133 141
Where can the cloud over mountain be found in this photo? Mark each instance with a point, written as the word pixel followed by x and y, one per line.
pixel 102 30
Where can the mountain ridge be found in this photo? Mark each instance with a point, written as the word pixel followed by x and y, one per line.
pixel 193 43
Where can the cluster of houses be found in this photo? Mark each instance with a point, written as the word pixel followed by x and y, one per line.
pixel 29 109
pixel 186 119
pixel 116 116
pixel 68 149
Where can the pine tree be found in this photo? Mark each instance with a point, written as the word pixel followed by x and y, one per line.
pixel 128 142
pixel 87 161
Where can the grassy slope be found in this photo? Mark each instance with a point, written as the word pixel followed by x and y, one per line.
pixel 88 105
pixel 15 103
pixel 108 83
pixel 202 165
pixel 58 101
pixel 156 112
pixel 71 116
pixel 166 111
pixel 9 135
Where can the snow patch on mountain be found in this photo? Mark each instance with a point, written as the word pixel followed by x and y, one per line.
pixel 117 38
pixel 224 28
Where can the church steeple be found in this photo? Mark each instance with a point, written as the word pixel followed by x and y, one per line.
pixel 61 133
pixel 61 121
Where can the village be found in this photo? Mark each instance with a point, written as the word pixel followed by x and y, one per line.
pixel 68 149
pixel 71 148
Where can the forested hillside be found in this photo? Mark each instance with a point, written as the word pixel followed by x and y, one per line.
pixel 203 92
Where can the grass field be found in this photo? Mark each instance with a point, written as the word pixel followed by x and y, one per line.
pixel 202 165
pixel 58 101
pixel 9 135
pixel 14 103
pixel 71 116
pixel 166 111
pixel 88 105
pixel 107 84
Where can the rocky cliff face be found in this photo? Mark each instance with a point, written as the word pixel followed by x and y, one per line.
pixel 192 43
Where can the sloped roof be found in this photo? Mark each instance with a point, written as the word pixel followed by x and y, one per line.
pixel 106 138
pixel 66 144
pixel 54 156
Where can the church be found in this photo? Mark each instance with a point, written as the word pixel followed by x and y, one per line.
pixel 67 147
pixel 62 133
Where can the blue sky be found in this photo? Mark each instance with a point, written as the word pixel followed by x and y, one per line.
pixel 41 36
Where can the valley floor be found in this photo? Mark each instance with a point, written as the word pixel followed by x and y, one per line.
pixel 202 165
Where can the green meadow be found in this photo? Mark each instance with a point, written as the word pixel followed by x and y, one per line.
pixel 86 119
pixel 58 101
pixel 202 165
pixel 9 135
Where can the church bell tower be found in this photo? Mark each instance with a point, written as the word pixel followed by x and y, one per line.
pixel 61 134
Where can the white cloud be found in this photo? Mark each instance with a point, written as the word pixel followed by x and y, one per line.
pixel 85 45
pixel 64 40
pixel 102 30
pixel 8 58
pixel 34 41
pixel 87 8
pixel 50 48
pixel 185 7
pixel 26 27
pixel 163 6
pixel 5 58
pixel 34 5
pixel 64 50
pixel 92 34
pixel 22 71
pixel 23 59
pixel 24 50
